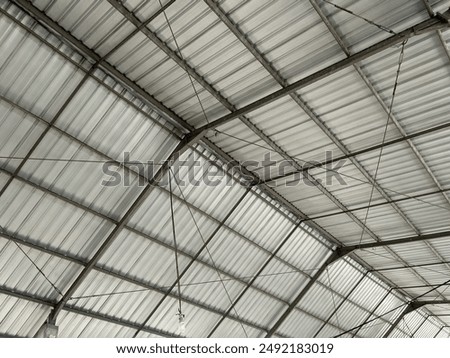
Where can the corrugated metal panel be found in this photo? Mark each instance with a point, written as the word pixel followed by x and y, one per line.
pixel 203 40
pixel 31 74
pixel 304 252
pixel 300 324
pixel 435 149
pixel 107 123
pixel 244 145
pixel 204 183
pixel 290 35
pixel 256 220
pixel 70 169
pixel 20 274
pixel 50 222
pixel 345 229
pixel 144 9
pixel 110 298
pixel 306 196
pixel 95 23
pixel 359 34
pixel 157 223
pixel 423 82
pixel 293 131
pixel 282 280
pixel 428 329
pixel 20 317
pixel 259 309
pixel 73 325
pixel 385 222
pixel 443 334
pixel 233 329
pixel 320 302
pixel 346 182
pixel 142 259
pixel 234 254
pixel 349 109
pixel 429 216
pixel 204 284
pixel 399 170
pixel 18 132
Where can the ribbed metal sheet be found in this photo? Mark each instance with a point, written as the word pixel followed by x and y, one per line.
pixel 64 208
pixel 300 324
pixel 43 219
pixel 233 329
pixel 128 301
pixel 19 273
pixel 73 325
pixel 18 132
pixel 95 23
pixel 291 35
pixel 358 34
pixel 31 74
pixel 20 317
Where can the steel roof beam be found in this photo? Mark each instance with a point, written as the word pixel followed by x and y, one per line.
pixel 435 23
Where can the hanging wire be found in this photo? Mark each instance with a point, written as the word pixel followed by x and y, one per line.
pixel 210 256
pixel 394 92
pixel 175 245
pixel 381 27
pixel 181 56
pixel 34 264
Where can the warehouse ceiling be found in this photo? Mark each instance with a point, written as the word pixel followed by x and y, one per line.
pixel 250 168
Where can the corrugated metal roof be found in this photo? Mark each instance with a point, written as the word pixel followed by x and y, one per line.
pixel 256 251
